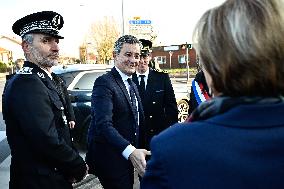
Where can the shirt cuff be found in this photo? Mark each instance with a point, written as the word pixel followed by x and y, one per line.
pixel 128 150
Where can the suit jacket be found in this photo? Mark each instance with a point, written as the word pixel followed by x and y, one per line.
pixel 159 105
pixel 240 148
pixel 41 156
pixel 113 126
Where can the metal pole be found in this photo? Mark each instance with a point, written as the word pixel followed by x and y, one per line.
pixel 171 53
pixel 122 14
pixel 170 61
pixel 187 66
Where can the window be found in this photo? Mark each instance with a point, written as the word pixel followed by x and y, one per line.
pixel 161 59
pixel 86 82
pixel 182 59
pixel 68 77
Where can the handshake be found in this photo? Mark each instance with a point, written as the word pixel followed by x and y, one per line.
pixel 138 159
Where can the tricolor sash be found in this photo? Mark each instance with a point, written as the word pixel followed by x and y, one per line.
pixel 200 93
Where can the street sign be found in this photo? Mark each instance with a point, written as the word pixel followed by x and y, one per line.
pixel 171 48
pixel 140 22
pixel 147 29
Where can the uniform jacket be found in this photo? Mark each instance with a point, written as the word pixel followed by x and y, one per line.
pixel 113 125
pixel 64 96
pixel 239 148
pixel 160 106
pixel 41 155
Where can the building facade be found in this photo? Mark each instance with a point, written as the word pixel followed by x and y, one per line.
pixel 174 56
pixel 10 50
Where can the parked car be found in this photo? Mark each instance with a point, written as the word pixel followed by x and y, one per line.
pixel 79 79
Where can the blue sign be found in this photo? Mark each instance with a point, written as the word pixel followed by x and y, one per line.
pixel 140 22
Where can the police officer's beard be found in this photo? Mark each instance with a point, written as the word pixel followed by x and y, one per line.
pixel 42 61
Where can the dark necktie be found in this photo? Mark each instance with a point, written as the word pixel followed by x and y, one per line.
pixel 134 107
pixel 141 87
pixel 133 99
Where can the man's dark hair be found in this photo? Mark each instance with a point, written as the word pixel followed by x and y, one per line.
pixel 125 39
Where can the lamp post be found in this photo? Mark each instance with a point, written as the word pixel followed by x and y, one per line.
pixel 171 54
pixel 122 14
pixel 187 66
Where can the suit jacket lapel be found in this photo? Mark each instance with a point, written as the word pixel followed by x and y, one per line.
pixel 120 83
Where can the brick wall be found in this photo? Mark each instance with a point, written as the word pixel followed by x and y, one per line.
pixel 159 51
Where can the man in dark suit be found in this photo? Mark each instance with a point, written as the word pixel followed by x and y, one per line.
pixel 157 94
pixel 117 130
pixel 41 150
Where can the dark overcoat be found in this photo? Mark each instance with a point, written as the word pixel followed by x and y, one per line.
pixel 240 148
pixel 41 153
pixel 64 96
pixel 159 105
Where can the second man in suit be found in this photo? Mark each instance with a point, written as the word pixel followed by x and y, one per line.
pixel 157 95
pixel 116 131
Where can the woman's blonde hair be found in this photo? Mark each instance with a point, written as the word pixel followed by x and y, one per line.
pixel 241 46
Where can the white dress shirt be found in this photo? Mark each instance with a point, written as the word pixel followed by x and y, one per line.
pixel 129 149
pixel 146 74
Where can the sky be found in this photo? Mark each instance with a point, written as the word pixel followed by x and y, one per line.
pixel 172 21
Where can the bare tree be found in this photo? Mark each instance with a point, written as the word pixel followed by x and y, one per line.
pixel 103 34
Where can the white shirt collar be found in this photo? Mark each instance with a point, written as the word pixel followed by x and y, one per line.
pixel 146 73
pixel 122 75
pixel 47 72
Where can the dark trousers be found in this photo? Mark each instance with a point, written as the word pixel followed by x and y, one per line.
pixel 111 168
pixel 122 182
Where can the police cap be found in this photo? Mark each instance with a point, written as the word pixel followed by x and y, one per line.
pixel 146 47
pixel 45 22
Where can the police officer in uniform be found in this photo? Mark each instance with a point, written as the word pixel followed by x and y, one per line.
pixel 42 155
pixel 157 95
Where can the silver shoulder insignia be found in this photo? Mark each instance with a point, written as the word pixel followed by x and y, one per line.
pixel 24 70
pixel 41 75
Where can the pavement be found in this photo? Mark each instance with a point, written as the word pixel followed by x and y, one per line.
pixel 90 182
pixel 3 75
